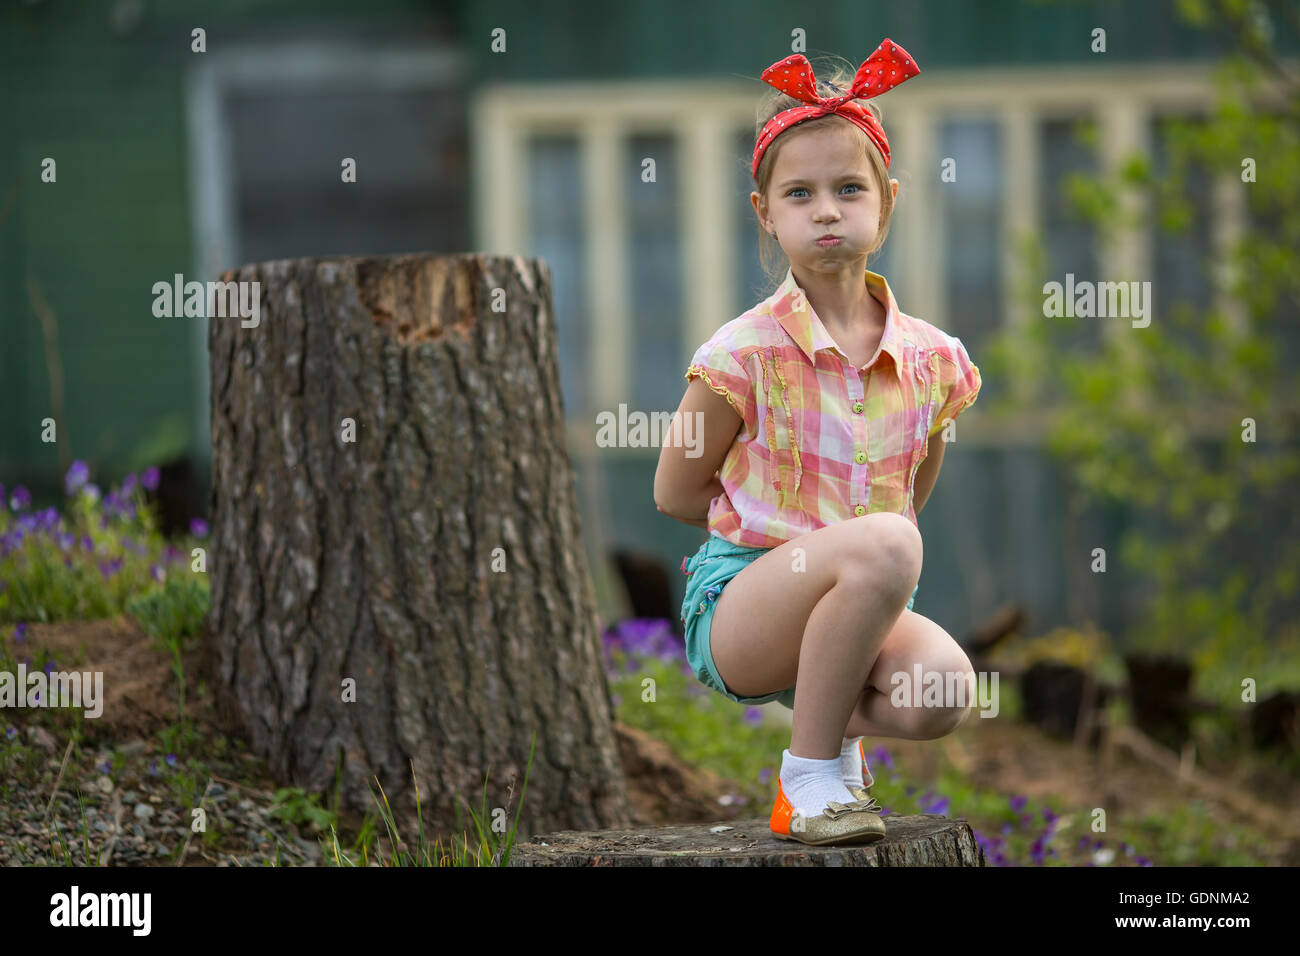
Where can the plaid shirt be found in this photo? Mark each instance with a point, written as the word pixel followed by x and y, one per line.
pixel 821 441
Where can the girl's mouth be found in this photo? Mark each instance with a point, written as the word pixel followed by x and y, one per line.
pixel 827 243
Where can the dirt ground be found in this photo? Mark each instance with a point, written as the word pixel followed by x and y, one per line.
pixel 1003 755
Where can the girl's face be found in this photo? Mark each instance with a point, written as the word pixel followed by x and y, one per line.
pixel 823 184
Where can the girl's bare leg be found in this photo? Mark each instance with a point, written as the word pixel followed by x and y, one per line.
pixel 914 640
pixel 816 612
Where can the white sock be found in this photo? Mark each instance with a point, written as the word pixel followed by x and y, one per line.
pixel 851 763
pixel 810 783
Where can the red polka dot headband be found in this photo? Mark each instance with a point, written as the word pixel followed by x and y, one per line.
pixel 888 66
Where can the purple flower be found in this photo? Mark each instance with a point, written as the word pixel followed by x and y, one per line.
pixel 21 499
pixel 198 528
pixel 105 767
pixel 153 767
pixel 1007 828
pixel 1143 861
pixel 49 666
pixel 86 543
pixel 128 485
pixel 1049 816
pixel 20 631
pixel 110 568
pixel 939 806
pixel 77 476
pixel 149 478
pixel 881 756
pixel 1018 803
pixel 171 760
pixel 11 733
pixel 91 491
pixel 157 572
pixel 66 540
pixel 753 716
pixel 765 775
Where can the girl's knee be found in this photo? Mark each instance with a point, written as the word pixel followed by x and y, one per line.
pixel 883 547
pixel 959 699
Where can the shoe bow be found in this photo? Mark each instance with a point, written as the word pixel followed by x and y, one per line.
pixel 834 809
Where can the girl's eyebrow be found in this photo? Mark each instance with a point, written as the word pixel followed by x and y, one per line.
pixel 842 176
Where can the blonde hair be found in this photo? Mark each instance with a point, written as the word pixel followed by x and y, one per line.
pixel 839 79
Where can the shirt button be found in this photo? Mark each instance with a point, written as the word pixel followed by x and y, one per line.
pixel 860 510
pixel 860 457
pixel 857 407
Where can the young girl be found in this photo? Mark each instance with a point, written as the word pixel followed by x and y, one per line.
pixel 822 409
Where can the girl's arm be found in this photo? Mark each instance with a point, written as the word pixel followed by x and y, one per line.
pixel 686 480
pixel 928 473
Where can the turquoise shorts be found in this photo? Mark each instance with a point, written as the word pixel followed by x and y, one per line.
pixel 707 573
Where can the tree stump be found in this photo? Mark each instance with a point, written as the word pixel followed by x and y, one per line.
pixel 921 840
pixel 435 559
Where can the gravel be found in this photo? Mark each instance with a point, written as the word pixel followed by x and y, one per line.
pixel 138 820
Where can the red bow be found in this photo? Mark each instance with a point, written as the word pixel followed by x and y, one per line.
pixel 888 66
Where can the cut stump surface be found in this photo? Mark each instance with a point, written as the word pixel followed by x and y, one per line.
pixel 921 840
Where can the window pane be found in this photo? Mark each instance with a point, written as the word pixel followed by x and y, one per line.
pixel 1069 241
pixel 555 221
pixel 972 231
pixel 1181 287
pixel 1266 228
pixel 410 193
pixel 654 251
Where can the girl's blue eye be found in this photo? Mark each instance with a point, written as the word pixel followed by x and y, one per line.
pixel 801 189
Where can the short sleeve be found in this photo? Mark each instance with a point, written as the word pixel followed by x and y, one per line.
pixel 959 384
pixel 717 366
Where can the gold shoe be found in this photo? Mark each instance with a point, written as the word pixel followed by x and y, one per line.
pixel 839 824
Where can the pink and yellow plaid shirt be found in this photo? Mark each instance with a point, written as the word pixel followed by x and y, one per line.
pixel 822 441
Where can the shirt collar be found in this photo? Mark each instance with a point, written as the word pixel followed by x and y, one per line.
pixel 802 324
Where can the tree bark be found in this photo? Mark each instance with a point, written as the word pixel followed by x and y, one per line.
pixel 436 560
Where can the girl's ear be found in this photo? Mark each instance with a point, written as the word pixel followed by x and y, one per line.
pixel 893 186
